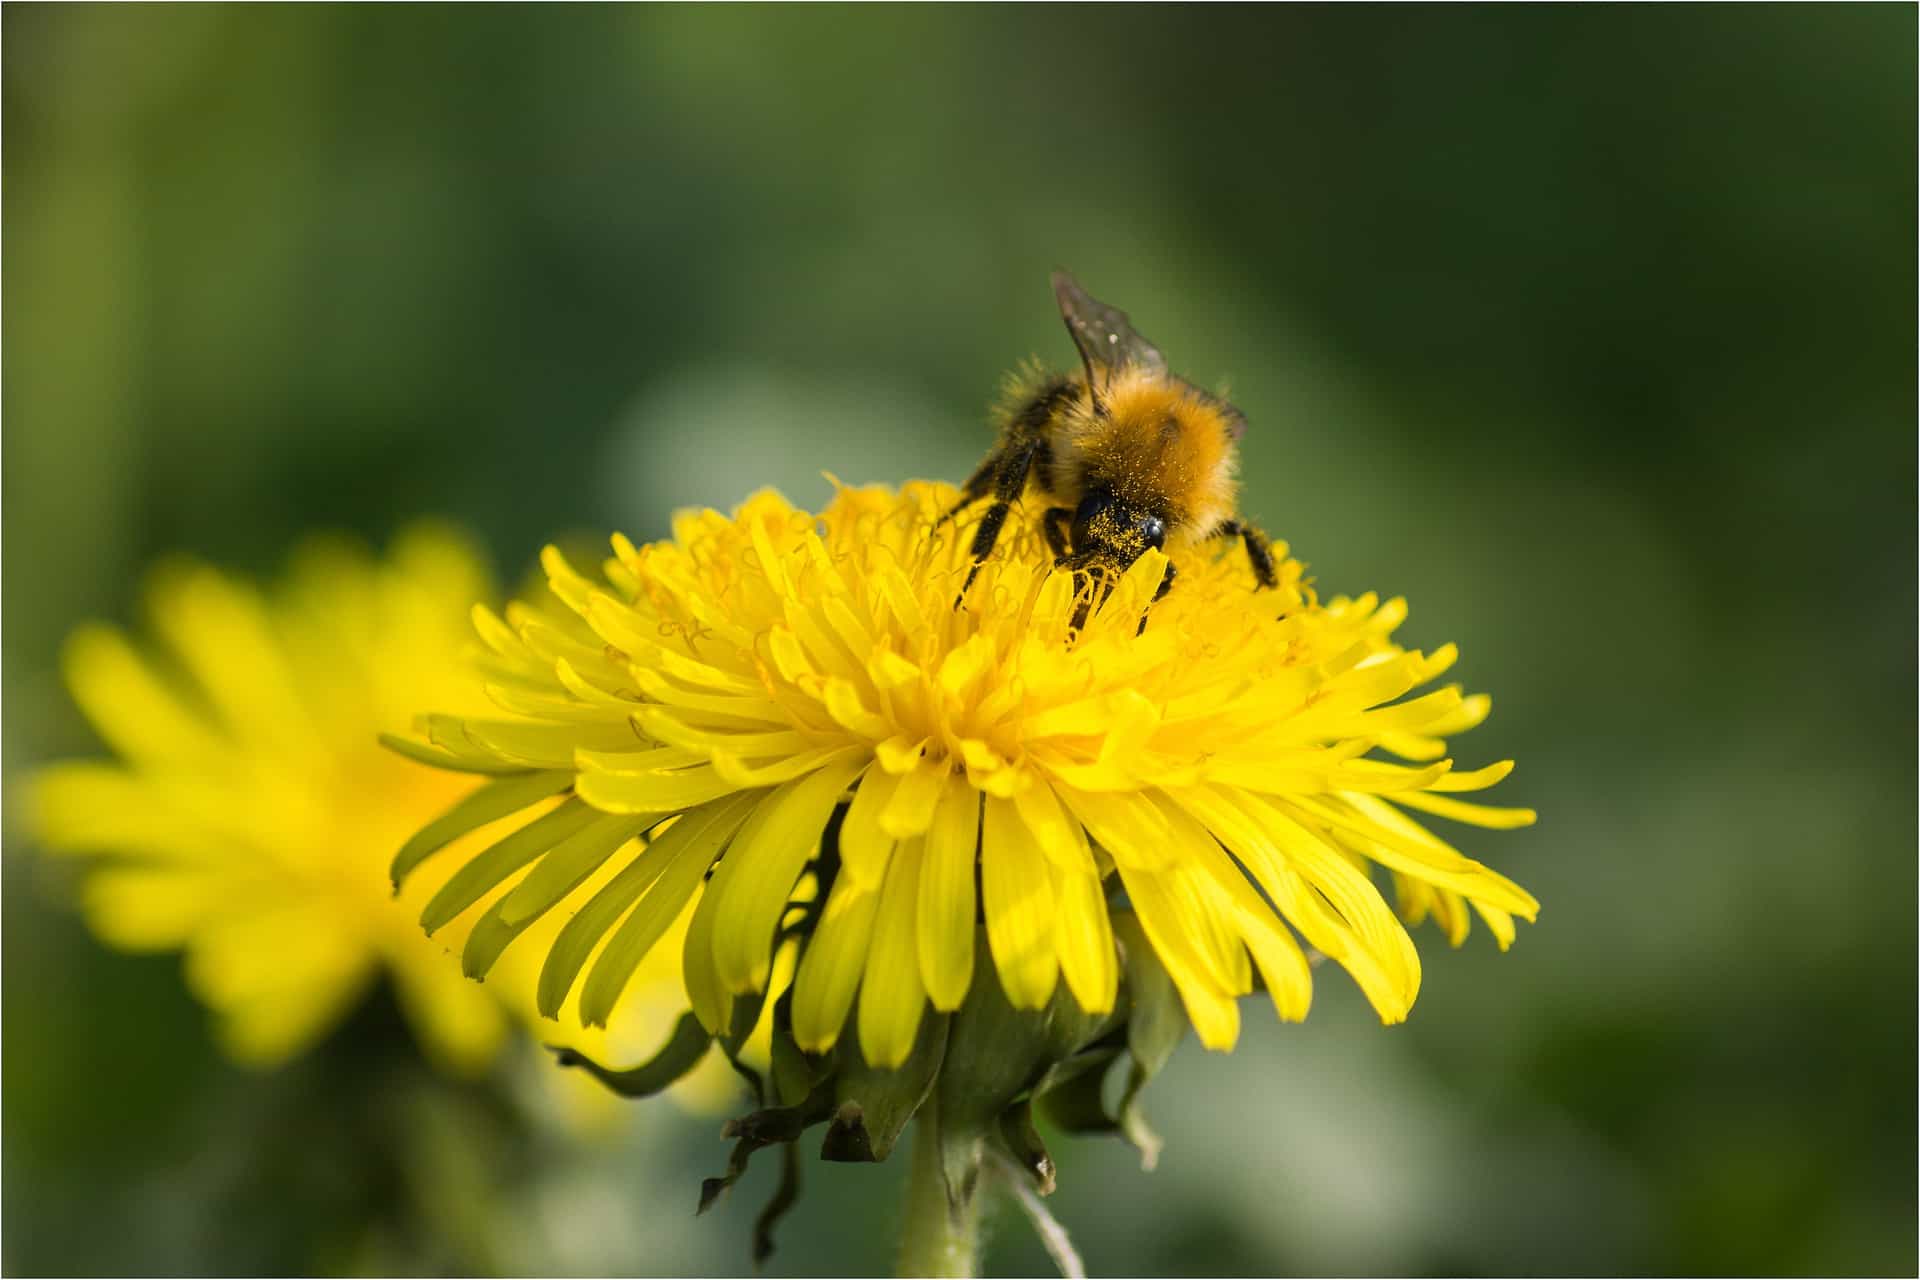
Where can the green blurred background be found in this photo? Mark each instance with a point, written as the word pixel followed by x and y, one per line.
pixel 1591 330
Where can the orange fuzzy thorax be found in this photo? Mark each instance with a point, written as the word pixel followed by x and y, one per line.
pixel 1160 446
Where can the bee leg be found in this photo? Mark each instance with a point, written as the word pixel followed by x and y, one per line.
pixel 1166 585
pixel 1259 550
pixel 1054 523
pixel 1009 482
pixel 1083 603
pixel 1092 586
pixel 974 489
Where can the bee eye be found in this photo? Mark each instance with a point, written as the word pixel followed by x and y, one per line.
pixel 1154 530
pixel 1090 506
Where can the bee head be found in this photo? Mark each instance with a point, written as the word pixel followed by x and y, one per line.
pixel 1110 532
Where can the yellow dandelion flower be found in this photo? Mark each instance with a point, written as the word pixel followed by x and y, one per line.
pixel 252 811
pixel 765 680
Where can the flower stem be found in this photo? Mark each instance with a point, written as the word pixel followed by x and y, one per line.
pixel 938 1237
pixel 1053 1236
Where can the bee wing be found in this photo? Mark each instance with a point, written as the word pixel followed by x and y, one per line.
pixel 1107 340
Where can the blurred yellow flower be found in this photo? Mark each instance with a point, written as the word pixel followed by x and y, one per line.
pixel 251 813
pixel 762 678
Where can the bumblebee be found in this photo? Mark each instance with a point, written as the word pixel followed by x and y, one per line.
pixel 1126 455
